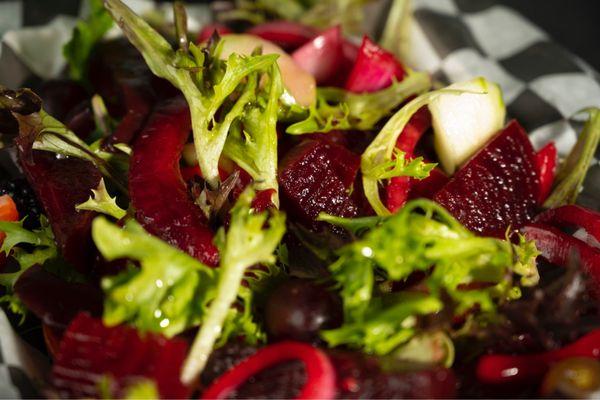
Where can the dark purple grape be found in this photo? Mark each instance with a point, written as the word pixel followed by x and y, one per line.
pixel 60 96
pixel 25 200
pixel 299 308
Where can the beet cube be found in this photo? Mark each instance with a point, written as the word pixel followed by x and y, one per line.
pixel 317 176
pixel 498 187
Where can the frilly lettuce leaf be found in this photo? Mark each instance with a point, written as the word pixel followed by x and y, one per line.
pixel 101 202
pixel 171 292
pixel 252 143
pixel 85 36
pixel 28 248
pixel 251 239
pixel 422 236
pixel 338 109
pixel 209 85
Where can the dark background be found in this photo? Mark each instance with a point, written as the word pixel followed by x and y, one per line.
pixel 573 23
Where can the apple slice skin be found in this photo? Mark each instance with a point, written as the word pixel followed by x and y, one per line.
pixel 157 190
pixel 498 187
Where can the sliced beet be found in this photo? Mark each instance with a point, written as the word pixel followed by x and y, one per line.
pixel 428 187
pixel 90 352
pixel 317 176
pixel 288 35
pixel 358 377
pixel 498 187
pixel 374 69
pixel 157 190
pixel 36 286
pixel 60 184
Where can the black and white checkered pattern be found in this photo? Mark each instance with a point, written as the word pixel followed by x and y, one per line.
pixel 544 87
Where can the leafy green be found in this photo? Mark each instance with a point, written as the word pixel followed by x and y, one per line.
pixel 319 14
pixel 209 85
pixel 338 109
pixel 171 291
pixel 28 248
pixel 252 143
pixel 400 166
pixel 85 36
pixel 571 175
pixel 48 134
pixel 251 239
pixel 101 202
pixel 422 236
pixel 168 293
pixel 380 152
pixel 142 389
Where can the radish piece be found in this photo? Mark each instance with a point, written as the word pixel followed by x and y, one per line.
pixel 320 375
pixel 322 57
pixel 288 35
pixel 374 69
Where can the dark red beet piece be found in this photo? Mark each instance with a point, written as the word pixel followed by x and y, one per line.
pixel 90 351
pixel 358 377
pixel 288 35
pixel 428 187
pixel 36 286
pixel 60 185
pixel 374 69
pixel 316 176
pixel 157 190
pixel 397 191
pixel 498 187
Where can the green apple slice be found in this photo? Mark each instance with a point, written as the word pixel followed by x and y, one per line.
pixel 464 122
pixel 299 83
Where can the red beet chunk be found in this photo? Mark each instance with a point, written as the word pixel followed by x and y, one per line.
pixel 90 351
pixel 36 286
pixel 428 187
pixel 374 69
pixel 60 185
pixel 498 187
pixel 357 377
pixel 316 176
pixel 157 190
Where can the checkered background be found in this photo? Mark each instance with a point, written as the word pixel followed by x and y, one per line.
pixel 544 85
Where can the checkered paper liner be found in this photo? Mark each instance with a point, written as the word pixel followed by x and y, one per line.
pixel 544 85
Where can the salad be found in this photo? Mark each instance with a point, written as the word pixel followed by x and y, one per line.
pixel 268 209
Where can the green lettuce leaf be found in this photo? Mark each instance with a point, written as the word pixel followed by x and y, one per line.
pixel 101 202
pixel 570 177
pixel 252 143
pixel 422 236
pixel 86 34
pixel 210 86
pixel 250 240
pixel 48 134
pixel 171 291
pixel 28 248
pixel 338 109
